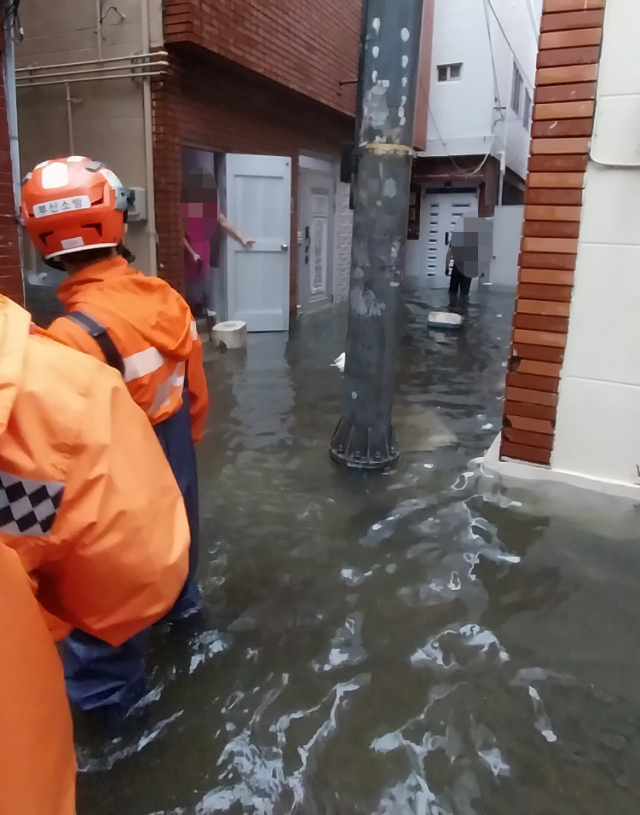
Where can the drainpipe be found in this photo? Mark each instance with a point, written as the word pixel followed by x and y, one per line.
pixel 99 28
pixel 9 64
pixel 148 147
pixel 364 438
pixel 69 101
pixel 9 68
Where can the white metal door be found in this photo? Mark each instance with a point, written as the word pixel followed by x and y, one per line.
pixel 317 204
pixel 440 215
pixel 259 206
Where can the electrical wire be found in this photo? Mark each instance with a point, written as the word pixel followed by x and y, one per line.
pixel 508 41
pixel 464 170
pixel 496 84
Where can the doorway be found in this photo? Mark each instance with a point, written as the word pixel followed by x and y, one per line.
pixel 316 220
pixel 441 213
pixel 197 158
pixel 249 283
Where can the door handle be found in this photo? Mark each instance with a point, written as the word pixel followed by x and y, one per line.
pixel 284 247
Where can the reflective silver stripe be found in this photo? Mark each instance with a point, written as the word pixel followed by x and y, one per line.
pixel 142 364
pixel 163 394
pixel 194 330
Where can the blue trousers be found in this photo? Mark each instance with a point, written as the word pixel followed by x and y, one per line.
pixel 100 677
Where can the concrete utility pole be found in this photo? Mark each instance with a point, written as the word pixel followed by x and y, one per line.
pixel 364 437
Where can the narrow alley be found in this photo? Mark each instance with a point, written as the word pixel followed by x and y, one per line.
pixel 417 641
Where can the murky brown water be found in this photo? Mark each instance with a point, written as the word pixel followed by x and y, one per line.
pixel 413 642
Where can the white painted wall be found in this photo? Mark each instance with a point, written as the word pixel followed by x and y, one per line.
pixel 598 426
pixel 507 233
pixel 462 116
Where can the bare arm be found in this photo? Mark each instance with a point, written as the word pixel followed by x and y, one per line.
pixel 190 250
pixel 230 230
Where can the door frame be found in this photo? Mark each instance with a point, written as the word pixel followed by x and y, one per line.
pixel 310 166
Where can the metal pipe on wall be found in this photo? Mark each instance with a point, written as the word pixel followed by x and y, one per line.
pixel 69 101
pixel 148 146
pixel 99 27
pixel 36 68
pixel 42 84
pixel 134 71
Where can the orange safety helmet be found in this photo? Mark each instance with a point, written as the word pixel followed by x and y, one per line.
pixel 72 204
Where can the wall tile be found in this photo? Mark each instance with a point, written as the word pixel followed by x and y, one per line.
pixel 544 307
pixel 552 6
pixel 550 229
pixel 531 425
pixel 542 412
pixel 539 260
pixel 565 93
pixel 558 164
pixel 553 197
pixel 559 146
pixel 526 437
pixel 567 246
pixel 556 180
pixel 571 39
pixel 539 338
pixel 548 277
pixel 531 397
pixel 564 110
pixel 531 366
pixel 592 431
pixel 604 342
pixel 533 291
pixel 520 452
pixel 573 19
pixel 536 322
pixel 569 56
pixel 557 128
pixel 553 213
pixel 611 211
pixel 548 384
pixel 566 75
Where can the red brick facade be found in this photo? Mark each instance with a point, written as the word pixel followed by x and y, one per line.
pixel 229 110
pixel 305 45
pixel 10 268
pixel 562 126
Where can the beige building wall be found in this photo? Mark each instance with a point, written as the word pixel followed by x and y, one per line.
pixel 106 117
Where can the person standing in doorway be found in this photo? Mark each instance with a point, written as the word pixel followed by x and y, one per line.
pixel 459 283
pixel 204 224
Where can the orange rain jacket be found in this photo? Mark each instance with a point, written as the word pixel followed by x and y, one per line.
pixel 152 328
pixel 81 477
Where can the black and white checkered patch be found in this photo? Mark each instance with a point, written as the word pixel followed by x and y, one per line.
pixel 28 507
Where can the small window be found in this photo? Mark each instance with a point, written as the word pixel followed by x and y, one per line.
pixel 446 73
pixel 526 119
pixel 516 93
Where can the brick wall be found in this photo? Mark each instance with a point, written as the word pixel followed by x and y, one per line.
pixel 570 39
pixel 213 105
pixel 10 267
pixel 306 45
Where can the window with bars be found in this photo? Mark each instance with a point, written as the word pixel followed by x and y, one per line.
pixel 516 91
pixel 447 73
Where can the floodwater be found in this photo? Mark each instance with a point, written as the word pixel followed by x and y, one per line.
pixel 421 641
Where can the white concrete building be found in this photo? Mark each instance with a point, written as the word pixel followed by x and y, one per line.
pixel 479 119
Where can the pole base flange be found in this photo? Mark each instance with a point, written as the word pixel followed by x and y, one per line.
pixel 364 448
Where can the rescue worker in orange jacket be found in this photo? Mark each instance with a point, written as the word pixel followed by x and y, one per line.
pixel 81 477
pixel 75 212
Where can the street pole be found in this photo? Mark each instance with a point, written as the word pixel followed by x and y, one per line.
pixel 364 438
